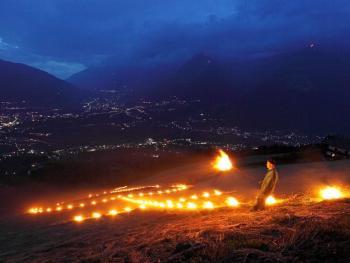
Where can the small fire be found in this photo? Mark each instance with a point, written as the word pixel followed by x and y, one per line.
pixel 191 205
pixel 208 205
pixel 270 200
pixel 231 201
pixel 78 218
pixel 96 215
pixel 330 193
pixel 112 212
pixel 222 162
pixel 127 209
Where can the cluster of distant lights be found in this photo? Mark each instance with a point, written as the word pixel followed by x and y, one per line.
pixel 146 197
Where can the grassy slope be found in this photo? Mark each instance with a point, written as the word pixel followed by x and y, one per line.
pixel 296 231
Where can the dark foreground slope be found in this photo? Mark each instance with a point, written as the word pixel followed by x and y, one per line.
pixel 298 231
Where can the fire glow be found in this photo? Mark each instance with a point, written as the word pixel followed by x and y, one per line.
pixel 331 193
pixel 135 200
pixel 270 200
pixel 222 162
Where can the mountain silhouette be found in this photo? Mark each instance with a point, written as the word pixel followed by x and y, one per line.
pixel 305 89
pixel 20 82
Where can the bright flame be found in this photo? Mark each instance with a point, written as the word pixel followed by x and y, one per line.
pixel 194 197
pixel 206 194
pixel 208 205
pixel 217 192
pixel 270 200
pixel 127 209
pixel 231 201
pixel 96 215
pixel 191 205
pixel 33 211
pixel 222 162
pixel 112 212
pixel 78 218
pixel 179 205
pixel 169 204
pixel 330 193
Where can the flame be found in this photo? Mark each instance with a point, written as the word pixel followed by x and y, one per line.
pixel 217 192
pixel 191 205
pixel 330 193
pixel 208 205
pixel 113 212
pixel 96 215
pixel 127 209
pixel 206 195
pixel 231 201
pixel 270 200
pixel 222 162
pixel 78 218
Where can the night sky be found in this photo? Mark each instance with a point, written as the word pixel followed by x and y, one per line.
pixel 67 36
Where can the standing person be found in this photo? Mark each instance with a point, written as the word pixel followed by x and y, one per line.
pixel 267 186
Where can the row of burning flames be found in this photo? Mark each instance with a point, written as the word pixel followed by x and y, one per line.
pixel 141 200
pixel 137 197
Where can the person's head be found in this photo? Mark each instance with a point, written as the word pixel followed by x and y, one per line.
pixel 270 164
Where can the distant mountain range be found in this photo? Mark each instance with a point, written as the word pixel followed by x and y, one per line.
pixel 19 82
pixel 305 90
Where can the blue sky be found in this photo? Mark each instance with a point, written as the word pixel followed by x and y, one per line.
pixel 66 36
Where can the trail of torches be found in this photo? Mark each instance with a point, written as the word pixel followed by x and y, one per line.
pixel 145 200
pixel 150 197
pixel 206 200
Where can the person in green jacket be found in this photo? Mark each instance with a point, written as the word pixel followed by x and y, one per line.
pixel 267 186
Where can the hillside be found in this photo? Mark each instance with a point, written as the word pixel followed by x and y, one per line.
pixel 305 90
pixel 299 228
pixel 295 232
pixel 20 82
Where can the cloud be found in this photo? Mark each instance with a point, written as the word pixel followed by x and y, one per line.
pixel 89 31
pixel 60 69
pixel 6 46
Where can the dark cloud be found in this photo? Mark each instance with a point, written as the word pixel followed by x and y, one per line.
pixel 88 31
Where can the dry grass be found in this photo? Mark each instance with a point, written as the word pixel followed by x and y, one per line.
pixel 293 232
